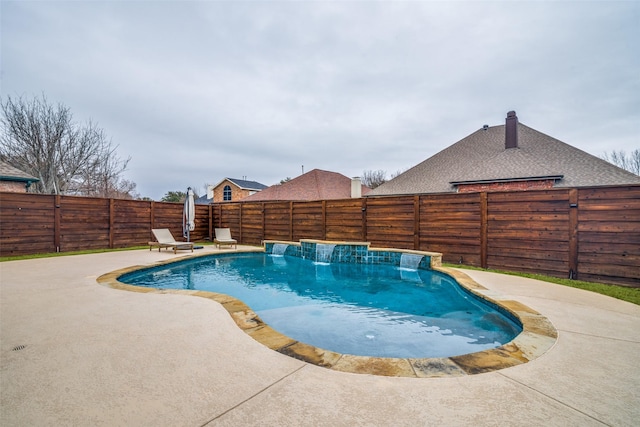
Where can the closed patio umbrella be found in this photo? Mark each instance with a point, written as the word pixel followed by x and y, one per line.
pixel 189 215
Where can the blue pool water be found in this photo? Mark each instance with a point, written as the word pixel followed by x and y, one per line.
pixel 361 309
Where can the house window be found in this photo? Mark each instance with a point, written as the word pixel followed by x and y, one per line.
pixel 226 195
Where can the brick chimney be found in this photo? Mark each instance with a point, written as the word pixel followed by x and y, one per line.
pixel 511 130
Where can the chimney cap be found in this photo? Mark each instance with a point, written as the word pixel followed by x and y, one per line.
pixel 511 114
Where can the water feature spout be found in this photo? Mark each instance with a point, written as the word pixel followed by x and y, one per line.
pixel 324 252
pixel 279 249
pixel 410 261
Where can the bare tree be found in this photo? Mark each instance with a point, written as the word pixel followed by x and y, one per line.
pixel 635 162
pixel 398 172
pixel 373 179
pixel 620 158
pixel 101 177
pixel 42 140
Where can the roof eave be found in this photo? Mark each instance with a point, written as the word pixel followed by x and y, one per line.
pixel 519 179
pixel 18 179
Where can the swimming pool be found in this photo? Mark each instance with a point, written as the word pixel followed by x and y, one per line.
pixel 537 337
pixel 359 308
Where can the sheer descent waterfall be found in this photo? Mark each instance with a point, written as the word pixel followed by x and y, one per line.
pixel 279 248
pixel 324 252
pixel 410 261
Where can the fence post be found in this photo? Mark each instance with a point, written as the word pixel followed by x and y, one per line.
pixel 364 219
pixel 111 221
pixel 416 222
pixel 56 222
pixel 573 233
pixel 484 206
pixel 210 222
pixel 324 220
pixel 240 222
pixel 290 221
pixel 152 214
pixel 264 222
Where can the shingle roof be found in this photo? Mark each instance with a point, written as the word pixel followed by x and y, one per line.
pixel 202 200
pixel 482 156
pixel 247 185
pixel 9 173
pixel 316 184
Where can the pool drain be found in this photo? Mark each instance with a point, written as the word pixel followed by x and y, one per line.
pixel 19 347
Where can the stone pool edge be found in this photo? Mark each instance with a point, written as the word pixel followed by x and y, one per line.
pixel 537 337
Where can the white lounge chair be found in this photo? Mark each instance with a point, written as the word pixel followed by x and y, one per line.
pixel 165 240
pixel 223 237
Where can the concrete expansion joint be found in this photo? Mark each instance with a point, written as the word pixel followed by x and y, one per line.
pixel 258 393
pixel 584 334
pixel 550 397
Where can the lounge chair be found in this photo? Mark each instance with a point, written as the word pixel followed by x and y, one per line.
pixel 223 237
pixel 165 240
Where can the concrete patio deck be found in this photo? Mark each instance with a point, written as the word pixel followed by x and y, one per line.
pixel 74 352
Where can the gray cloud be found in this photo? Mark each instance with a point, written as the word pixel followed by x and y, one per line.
pixel 198 91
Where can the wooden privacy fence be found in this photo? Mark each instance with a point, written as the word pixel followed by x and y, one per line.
pixel 587 233
pixel 37 223
pixel 590 234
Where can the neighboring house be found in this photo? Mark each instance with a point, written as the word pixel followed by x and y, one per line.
pixel 203 200
pixel 511 157
pixel 206 198
pixel 316 184
pixel 14 180
pixel 232 190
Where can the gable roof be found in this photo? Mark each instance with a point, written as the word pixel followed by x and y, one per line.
pixel 316 184
pixel 9 173
pixel 483 157
pixel 244 184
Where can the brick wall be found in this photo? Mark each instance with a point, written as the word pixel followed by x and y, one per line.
pixel 237 193
pixel 506 186
pixel 13 186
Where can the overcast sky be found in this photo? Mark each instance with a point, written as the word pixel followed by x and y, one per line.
pixel 198 91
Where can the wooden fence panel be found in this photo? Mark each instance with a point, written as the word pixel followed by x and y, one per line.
pixel 84 223
pixel 587 233
pixel 168 215
pixel 134 219
pixel 229 217
pixel 130 221
pixel 252 223
pixel 450 224
pixel 609 235
pixel 390 222
pixel 277 221
pixel 308 220
pixel 201 231
pixel 344 220
pixel 27 224
pixel 529 231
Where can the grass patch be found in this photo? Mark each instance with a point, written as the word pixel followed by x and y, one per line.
pixel 57 254
pixel 88 251
pixel 624 293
